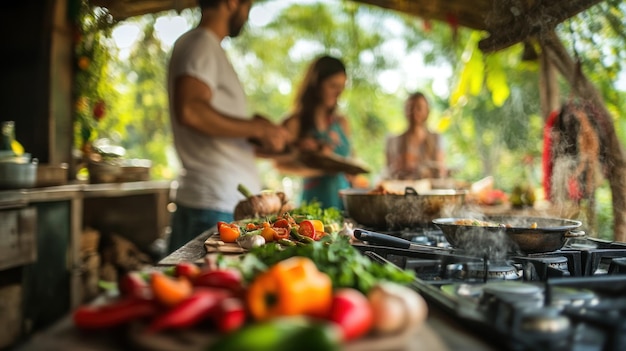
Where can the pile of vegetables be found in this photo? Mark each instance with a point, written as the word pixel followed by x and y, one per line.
pixel 312 295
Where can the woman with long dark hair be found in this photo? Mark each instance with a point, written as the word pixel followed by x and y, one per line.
pixel 315 125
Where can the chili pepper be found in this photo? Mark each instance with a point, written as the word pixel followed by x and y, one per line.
pixel 200 305
pixel 351 310
pixel 133 284
pixel 188 270
pixel 170 290
pixel 230 314
pixel 282 334
pixel 229 279
pixel 290 287
pixel 113 314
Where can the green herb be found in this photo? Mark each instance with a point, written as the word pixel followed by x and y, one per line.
pixel 313 210
pixel 333 255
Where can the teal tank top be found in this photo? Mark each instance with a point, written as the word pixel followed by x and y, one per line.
pixel 325 189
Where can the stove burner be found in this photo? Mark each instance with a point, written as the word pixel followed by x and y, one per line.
pixel 482 271
pixel 556 262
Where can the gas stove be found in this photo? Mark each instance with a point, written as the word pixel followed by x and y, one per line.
pixel 570 299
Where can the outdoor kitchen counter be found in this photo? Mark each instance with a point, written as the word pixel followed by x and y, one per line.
pixel 444 328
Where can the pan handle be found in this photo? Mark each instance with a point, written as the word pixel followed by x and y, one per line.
pixel 381 239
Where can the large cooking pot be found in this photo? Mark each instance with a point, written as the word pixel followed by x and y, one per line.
pixel 517 233
pixel 392 211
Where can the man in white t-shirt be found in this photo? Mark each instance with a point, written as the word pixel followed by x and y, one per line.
pixel 211 123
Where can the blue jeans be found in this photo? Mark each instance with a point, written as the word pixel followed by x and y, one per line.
pixel 188 223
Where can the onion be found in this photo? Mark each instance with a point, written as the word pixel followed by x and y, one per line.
pixel 396 308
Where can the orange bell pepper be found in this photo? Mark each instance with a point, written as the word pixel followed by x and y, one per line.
pixel 291 287
pixel 228 232
pixel 268 232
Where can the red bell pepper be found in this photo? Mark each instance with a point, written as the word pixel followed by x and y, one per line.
pixel 113 314
pixel 200 305
pixel 351 310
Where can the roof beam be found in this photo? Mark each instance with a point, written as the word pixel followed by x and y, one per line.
pixel 540 19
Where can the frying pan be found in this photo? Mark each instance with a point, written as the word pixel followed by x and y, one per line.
pixel 548 235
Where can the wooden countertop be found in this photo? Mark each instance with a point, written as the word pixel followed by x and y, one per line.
pixel 21 197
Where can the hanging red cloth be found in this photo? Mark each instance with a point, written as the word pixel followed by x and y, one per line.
pixel 548 158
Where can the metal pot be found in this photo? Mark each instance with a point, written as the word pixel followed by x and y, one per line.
pixel 18 175
pixel 390 211
pixel 521 234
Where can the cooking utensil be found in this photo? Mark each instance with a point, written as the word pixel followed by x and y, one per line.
pixel 386 240
pixel 400 211
pixel 548 235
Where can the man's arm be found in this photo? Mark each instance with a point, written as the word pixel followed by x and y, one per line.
pixel 192 108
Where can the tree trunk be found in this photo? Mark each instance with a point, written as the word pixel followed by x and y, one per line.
pixel 615 163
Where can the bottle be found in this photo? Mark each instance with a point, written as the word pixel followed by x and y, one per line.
pixel 8 135
pixel 7 141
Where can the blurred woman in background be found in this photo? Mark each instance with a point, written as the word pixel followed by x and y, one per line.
pixel 417 153
pixel 315 125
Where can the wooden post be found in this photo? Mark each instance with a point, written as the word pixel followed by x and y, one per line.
pixel 615 163
pixel 549 94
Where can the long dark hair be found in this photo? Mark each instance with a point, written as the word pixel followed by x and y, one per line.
pixel 309 93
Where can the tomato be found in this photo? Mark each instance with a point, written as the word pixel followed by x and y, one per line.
pixel 281 233
pixel 228 232
pixel 307 228
pixel 351 310
pixel 251 226
pixel 281 223
pixel 318 225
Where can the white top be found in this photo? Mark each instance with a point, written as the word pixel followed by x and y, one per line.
pixel 212 166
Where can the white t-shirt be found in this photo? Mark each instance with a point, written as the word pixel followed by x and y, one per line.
pixel 212 166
